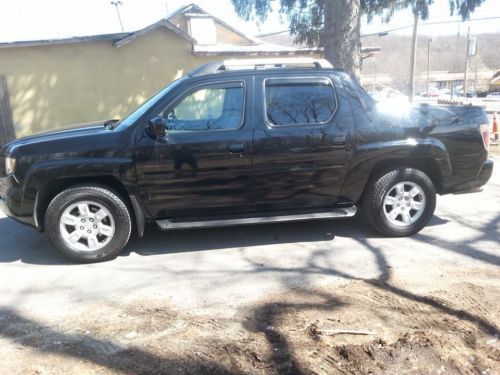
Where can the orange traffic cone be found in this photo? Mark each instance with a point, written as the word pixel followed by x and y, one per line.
pixel 495 127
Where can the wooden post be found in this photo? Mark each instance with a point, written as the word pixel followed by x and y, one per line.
pixel 7 132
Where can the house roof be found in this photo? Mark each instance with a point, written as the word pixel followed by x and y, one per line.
pixel 495 80
pixel 443 76
pixel 197 8
pixel 164 22
pixel 120 39
pixel 255 47
pixel 76 39
pixel 284 38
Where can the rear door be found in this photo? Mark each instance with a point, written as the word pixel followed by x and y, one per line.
pixel 203 166
pixel 302 143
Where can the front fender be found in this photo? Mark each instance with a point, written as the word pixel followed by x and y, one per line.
pixel 49 172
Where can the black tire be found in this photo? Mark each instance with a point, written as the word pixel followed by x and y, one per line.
pixel 373 201
pixel 102 196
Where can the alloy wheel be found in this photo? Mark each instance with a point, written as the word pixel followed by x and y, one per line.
pixel 404 203
pixel 87 226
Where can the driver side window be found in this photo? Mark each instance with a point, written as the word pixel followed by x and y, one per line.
pixel 216 107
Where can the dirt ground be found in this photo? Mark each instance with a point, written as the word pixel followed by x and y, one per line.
pixel 495 148
pixel 364 327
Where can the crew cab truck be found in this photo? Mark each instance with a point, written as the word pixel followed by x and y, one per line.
pixel 239 142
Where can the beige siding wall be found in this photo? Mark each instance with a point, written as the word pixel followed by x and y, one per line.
pixel 180 21
pixel 226 36
pixel 53 86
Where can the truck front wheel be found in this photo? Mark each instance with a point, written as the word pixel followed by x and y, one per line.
pixel 88 223
pixel 399 202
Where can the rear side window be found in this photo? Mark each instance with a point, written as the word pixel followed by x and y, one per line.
pixel 355 90
pixel 301 101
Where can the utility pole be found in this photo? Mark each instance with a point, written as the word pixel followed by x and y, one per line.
pixel 466 62
pixel 413 55
pixel 475 76
pixel 428 62
pixel 471 52
pixel 116 4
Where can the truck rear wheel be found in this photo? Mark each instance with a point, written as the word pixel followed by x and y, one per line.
pixel 400 202
pixel 88 223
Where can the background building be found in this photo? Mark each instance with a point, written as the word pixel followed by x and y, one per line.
pixel 53 83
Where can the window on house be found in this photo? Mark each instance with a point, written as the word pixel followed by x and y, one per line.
pixel 218 107
pixel 303 101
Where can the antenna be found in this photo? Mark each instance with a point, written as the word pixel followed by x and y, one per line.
pixel 116 4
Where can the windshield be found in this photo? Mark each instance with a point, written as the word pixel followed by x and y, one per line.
pixel 134 116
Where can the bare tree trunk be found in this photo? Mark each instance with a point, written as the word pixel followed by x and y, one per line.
pixel 342 35
pixel 7 132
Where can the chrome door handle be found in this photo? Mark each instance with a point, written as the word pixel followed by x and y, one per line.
pixel 339 141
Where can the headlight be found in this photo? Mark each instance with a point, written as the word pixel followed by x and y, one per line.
pixel 10 165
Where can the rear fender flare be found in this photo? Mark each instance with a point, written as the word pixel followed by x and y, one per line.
pixel 429 154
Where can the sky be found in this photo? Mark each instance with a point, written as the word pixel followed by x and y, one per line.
pixel 52 19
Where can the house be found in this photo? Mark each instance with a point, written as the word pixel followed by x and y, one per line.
pixel 478 80
pixel 53 83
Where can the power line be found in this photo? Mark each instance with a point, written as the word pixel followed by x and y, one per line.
pixel 401 27
pixel 431 23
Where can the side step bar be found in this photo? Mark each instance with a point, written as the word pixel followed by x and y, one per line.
pixel 339 212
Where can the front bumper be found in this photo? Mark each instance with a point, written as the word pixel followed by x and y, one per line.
pixel 478 183
pixel 11 194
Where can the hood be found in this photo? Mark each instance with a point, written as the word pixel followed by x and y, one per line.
pixel 65 133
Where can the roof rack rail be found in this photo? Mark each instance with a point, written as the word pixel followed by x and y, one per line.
pixel 258 64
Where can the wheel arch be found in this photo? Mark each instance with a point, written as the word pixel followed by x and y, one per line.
pixel 429 166
pixel 52 188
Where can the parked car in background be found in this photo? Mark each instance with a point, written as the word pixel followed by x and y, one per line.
pixel 244 142
pixel 432 93
pixel 493 96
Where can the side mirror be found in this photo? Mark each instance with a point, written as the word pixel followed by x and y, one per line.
pixel 157 128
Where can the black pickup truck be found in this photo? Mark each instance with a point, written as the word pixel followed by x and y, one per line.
pixel 244 142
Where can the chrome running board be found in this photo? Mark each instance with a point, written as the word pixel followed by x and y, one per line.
pixel 336 213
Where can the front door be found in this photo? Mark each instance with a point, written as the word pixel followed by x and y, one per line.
pixel 203 166
pixel 302 144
